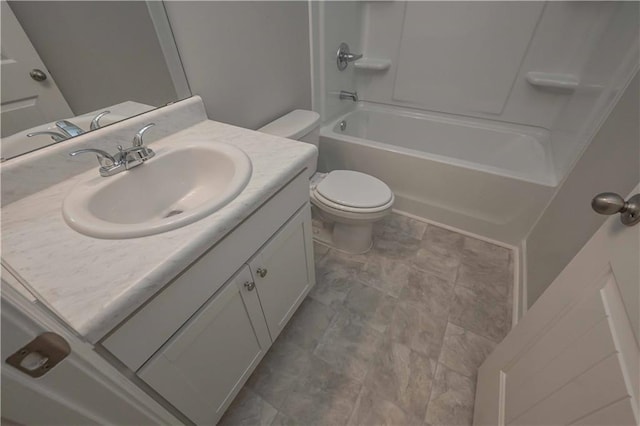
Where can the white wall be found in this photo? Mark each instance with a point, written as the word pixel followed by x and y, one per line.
pixel 611 163
pixel 613 56
pixel 100 53
pixel 340 22
pixel 471 58
pixel 249 61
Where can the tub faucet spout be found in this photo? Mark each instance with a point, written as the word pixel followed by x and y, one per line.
pixel 349 95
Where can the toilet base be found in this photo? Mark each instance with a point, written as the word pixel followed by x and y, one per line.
pixel 354 239
pixel 345 237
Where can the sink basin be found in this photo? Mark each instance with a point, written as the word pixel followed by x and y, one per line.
pixel 180 185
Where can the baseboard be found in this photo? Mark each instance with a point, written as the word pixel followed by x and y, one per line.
pixel 521 282
pixel 518 253
pixel 458 230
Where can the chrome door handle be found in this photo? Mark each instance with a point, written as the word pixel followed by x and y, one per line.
pixel 609 203
pixel 249 285
pixel 38 75
pixel 262 272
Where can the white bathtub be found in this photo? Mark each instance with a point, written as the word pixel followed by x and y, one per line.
pixel 488 178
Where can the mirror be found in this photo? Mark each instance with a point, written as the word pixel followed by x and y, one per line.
pixel 69 67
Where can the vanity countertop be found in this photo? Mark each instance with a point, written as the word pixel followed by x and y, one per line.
pixel 93 284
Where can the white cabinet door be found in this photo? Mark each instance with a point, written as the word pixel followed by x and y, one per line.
pixel 283 270
pixel 574 357
pixel 203 366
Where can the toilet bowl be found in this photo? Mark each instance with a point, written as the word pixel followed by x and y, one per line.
pixel 350 201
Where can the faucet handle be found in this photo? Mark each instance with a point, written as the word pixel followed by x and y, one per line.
pixel 57 137
pixel 137 139
pixel 95 123
pixel 104 158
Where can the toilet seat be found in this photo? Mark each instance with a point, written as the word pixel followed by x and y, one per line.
pixel 355 192
pixel 339 209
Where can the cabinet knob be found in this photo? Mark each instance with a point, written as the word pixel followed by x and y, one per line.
pixel 249 285
pixel 262 272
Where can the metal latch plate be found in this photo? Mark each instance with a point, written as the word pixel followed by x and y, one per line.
pixel 49 347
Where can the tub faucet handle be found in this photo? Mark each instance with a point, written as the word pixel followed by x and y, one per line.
pixel 344 56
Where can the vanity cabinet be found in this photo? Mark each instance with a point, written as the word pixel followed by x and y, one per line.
pixel 283 272
pixel 205 364
pixel 197 342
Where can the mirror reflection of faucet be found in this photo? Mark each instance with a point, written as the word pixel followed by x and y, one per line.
pixel 57 137
pixel 68 128
pixel 95 123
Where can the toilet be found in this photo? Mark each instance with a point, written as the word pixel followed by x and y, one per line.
pixel 351 202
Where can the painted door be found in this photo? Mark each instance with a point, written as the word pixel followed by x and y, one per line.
pixel 80 390
pixel 25 102
pixel 574 357
pixel 283 271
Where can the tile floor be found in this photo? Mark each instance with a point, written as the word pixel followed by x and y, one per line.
pixel 392 337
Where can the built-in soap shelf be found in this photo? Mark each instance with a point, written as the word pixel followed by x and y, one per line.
pixel 553 80
pixel 372 64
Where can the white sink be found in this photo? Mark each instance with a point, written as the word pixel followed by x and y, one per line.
pixel 175 188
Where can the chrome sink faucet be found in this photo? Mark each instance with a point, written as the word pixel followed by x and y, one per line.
pixel 124 159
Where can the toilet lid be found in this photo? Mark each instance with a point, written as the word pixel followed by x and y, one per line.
pixel 354 189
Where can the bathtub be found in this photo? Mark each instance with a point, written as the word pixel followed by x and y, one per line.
pixel 487 178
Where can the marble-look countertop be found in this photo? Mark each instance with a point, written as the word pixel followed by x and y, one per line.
pixel 93 284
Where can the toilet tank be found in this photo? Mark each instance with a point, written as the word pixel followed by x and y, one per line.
pixel 299 124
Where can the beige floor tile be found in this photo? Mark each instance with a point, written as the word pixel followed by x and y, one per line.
pixel 370 410
pixel 464 351
pixel 248 409
pixel 443 238
pixel 371 305
pixel 484 251
pixel 349 345
pixel 321 397
pixel 334 276
pixel 387 275
pixel 283 420
pixel 401 226
pixel 479 312
pixel 413 326
pixel 433 293
pixel 486 277
pixel 438 261
pixel 452 399
pixel 278 371
pixel 402 376
pixel 308 324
